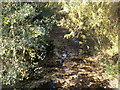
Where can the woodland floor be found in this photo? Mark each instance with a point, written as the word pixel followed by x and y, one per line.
pixel 81 74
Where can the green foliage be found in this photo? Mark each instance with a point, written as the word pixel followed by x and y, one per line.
pixel 94 23
pixel 26 26
pixel 23 41
pixel 111 64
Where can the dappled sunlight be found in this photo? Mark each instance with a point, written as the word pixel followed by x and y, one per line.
pixel 60 46
pixel 82 75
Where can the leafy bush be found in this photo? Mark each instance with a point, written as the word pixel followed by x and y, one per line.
pixel 23 40
pixel 94 23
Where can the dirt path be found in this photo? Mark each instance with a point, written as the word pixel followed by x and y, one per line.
pixel 77 72
pixel 81 74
